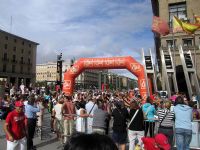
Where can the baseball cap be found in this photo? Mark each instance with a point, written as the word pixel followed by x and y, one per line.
pixel 19 104
pixel 162 141
pixel 149 143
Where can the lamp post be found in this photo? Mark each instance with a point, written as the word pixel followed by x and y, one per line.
pixel 99 80
pixel 59 72
pixel 104 81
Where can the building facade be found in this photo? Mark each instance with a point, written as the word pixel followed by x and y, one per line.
pixel 88 79
pixel 17 59
pixel 184 10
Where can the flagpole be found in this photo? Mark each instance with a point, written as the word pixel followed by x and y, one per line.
pixel 174 59
pixel 195 53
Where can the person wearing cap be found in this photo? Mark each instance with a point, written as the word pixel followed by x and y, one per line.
pixel 30 112
pixel 150 143
pixel 162 141
pixel 15 128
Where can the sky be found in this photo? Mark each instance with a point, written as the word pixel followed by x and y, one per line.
pixel 81 28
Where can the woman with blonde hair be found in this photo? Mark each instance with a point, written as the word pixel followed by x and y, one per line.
pixel 166 121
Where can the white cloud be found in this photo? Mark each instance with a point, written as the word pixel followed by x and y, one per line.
pixel 86 28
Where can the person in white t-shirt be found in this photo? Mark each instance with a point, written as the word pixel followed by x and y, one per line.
pixel 91 106
pixel 58 124
pixel 22 87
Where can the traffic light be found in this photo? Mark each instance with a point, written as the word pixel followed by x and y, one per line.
pixel 188 61
pixel 148 62
pixel 168 61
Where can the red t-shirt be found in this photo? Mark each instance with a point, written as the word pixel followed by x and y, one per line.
pixel 16 124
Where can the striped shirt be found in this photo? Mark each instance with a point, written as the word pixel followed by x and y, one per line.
pixel 169 118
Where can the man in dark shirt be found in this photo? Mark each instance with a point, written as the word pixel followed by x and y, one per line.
pixel 120 116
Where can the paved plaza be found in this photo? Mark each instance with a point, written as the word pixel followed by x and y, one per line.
pixel 49 141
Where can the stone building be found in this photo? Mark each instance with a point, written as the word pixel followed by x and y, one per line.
pixel 184 10
pixel 17 59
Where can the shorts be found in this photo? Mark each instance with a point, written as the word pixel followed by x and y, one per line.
pixel 120 138
pixel 59 125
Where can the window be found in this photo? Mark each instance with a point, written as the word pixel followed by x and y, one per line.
pixel 13 68
pixel 170 43
pixel 29 61
pixel 15 40
pixel 178 10
pixel 14 58
pixel 22 60
pixel 22 51
pixel 21 69
pixel 29 45
pixel 14 49
pixel 29 69
pixel 22 42
pixel 6 37
pixel 5 56
pixel 4 67
pixel 187 42
pixel 29 52
pixel 5 46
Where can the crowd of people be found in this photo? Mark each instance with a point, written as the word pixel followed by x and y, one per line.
pixel 94 113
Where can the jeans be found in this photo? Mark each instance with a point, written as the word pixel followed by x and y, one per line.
pixel 169 133
pixel 183 138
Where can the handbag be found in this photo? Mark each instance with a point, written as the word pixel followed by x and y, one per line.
pixel 146 113
pixel 163 119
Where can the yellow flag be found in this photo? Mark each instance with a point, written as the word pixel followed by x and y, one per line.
pixel 177 25
pixel 190 28
pixel 187 27
pixel 197 19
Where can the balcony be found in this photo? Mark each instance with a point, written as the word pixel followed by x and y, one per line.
pixel 29 63
pixel 190 48
pixel 14 61
pixel 22 62
pixel 5 59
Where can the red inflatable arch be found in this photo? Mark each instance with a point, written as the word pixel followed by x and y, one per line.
pixel 105 63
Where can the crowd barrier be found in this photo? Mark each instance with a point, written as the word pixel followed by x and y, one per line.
pixel 195 143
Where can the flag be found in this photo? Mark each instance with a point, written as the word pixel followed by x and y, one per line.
pixel 177 25
pixel 197 19
pixel 187 27
pixel 159 26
